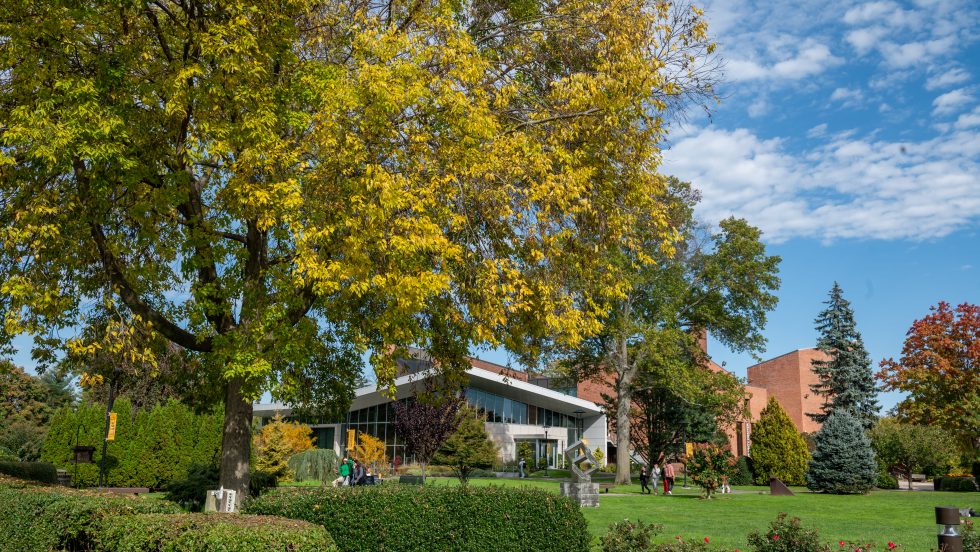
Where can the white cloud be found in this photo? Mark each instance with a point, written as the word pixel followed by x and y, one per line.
pixel 865 13
pixel 951 102
pixel 849 97
pixel 968 120
pixel 817 131
pixel 916 53
pixel 811 58
pixel 848 187
pixel 947 78
pixel 865 39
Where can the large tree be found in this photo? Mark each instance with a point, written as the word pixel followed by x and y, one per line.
pixel 846 381
pixel 905 448
pixel 844 462
pixel 940 372
pixel 777 448
pixel 260 183
pixel 721 282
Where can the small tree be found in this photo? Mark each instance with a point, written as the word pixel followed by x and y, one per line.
pixel 370 451
pixel 778 450
pixel 905 448
pixel 425 423
pixel 844 461
pixel 708 465
pixel 525 451
pixel 274 452
pixel 469 448
pixel 296 436
pixel 318 464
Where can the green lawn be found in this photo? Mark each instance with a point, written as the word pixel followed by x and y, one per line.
pixel 907 518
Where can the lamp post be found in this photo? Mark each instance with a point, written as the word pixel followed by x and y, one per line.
pixel 948 519
pixel 546 459
pixel 684 444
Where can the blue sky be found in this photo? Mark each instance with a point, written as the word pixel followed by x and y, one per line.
pixel 850 133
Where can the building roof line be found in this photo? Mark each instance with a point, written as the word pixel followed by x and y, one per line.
pixel 794 351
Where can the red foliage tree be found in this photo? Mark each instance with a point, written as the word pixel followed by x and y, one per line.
pixel 426 421
pixel 940 371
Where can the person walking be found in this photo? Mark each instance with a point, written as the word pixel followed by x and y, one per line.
pixel 521 466
pixel 668 478
pixel 644 479
pixel 654 477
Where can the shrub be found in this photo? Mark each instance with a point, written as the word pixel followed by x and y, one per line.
pixel 976 472
pixel 434 518
pixel 707 467
pixel 886 481
pixel 778 450
pixel 191 491
pixel 318 464
pixel 34 471
pixel 468 448
pixel 971 538
pixel 629 536
pixel 56 518
pixel 956 484
pixel 787 536
pixel 197 532
pixel 844 461
pixel 743 474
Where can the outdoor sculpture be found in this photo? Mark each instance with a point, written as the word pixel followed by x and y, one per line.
pixel 581 489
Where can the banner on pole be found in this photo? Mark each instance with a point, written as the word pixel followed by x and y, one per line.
pixel 112 427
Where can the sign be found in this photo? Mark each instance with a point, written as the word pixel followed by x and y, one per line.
pixel 350 439
pixel 229 502
pixel 688 450
pixel 112 427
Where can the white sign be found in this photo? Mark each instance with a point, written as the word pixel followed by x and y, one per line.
pixel 229 502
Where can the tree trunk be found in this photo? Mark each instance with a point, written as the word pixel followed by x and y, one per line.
pixel 624 396
pixel 236 441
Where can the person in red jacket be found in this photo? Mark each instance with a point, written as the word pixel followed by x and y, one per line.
pixel 668 478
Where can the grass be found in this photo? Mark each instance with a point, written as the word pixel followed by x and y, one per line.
pixel 905 517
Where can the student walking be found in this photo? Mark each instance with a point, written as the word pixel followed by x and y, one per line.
pixel 668 478
pixel 644 479
pixel 654 477
pixel 521 466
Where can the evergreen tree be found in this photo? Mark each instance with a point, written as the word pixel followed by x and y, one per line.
pixel 778 450
pixel 469 448
pixel 844 461
pixel 846 379
pixel 274 454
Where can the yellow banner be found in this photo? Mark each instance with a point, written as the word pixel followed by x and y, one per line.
pixel 112 427
pixel 350 439
pixel 689 449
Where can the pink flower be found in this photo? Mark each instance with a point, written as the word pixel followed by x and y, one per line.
pixel 841 543
pixel 891 545
pixel 706 539
pixel 775 537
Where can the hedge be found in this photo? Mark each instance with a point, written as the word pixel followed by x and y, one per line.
pixel 55 518
pixel 34 471
pixel 959 484
pixel 206 532
pixel 399 517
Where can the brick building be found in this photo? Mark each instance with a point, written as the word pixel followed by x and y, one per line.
pixel 788 377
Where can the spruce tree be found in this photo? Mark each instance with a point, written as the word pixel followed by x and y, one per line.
pixel 846 379
pixel 844 461
pixel 778 449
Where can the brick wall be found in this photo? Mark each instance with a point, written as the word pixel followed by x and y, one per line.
pixel 788 378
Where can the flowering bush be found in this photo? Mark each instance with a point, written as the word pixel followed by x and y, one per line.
pixel 629 536
pixel 787 535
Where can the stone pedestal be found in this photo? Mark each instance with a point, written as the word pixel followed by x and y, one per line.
pixel 586 494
